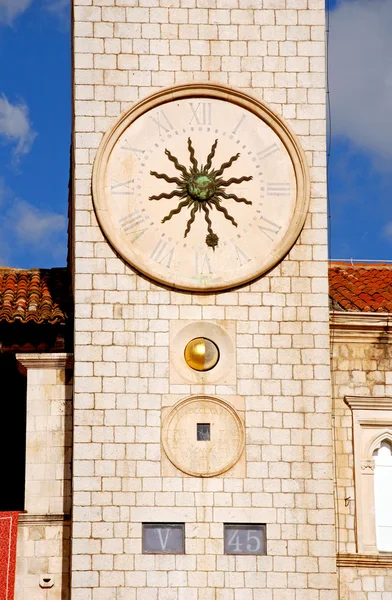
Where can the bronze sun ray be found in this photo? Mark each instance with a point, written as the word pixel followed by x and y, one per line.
pixel 200 189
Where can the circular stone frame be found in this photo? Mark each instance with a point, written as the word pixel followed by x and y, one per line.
pixel 183 404
pixel 222 334
pixel 261 110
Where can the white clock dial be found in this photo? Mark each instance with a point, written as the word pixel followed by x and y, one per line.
pixel 200 189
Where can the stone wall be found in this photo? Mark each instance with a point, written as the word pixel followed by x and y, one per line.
pixel 44 530
pixel 124 51
pixel 365 583
pixel 43 554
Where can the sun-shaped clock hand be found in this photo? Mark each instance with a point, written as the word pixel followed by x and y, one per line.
pixel 201 189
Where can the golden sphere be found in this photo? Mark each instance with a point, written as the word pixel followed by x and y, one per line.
pixel 201 354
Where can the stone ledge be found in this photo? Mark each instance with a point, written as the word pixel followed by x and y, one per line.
pixel 52 360
pixel 360 327
pixel 31 519
pixel 368 403
pixel 364 560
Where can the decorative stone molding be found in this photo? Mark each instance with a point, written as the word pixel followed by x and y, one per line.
pixel 367 465
pixel 364 561
pixel 209 455
pixel 368 403
pixel 376 444
pixel 30 519
pixel 58 360
pixel 358 327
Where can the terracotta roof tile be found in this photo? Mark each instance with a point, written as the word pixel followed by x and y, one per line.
pixel 43 295
pixel 361 287
pixel 38 295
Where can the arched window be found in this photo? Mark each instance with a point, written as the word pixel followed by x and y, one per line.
pixel 383 495
pixel 372 445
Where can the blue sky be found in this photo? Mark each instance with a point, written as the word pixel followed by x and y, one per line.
pixel 35 129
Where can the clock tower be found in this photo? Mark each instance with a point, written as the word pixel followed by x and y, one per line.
pixel 202 458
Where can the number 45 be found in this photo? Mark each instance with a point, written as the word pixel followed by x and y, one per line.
pixel 251 542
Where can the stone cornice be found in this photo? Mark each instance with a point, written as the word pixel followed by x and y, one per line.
pixel 30 519
pixel 360 327
pixel 52 360
pixel 364 560
pixel 368 403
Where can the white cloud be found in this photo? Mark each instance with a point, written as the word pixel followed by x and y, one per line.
pixel 60 9
pixel 38 235
pixel 57 5
pixel 33 225
pixel 11 9
pixel 360 74
pixel 3 190
pixel 15 126
pixel 5 254
pixel 387 231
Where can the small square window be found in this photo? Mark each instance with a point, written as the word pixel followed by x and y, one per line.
pixel 163 538
pixel 245 539
pixel 203 432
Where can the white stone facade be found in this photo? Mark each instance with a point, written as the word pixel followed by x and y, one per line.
pixel 123 51
pixel 362 387
pixel 44 530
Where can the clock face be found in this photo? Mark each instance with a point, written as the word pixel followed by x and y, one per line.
pixel 200 188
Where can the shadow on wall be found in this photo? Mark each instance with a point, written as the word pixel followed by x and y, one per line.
pixel 12 434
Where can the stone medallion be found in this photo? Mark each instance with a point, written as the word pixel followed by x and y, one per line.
pixel 203 436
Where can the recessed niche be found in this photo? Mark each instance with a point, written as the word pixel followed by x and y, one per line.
pixel 203 432
pixel 203 352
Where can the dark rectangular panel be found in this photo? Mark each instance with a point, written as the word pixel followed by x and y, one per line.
pixel 245 539
pixel 163 538
pixel 203 432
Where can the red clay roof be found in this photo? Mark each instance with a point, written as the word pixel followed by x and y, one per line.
pixel 361 287
pixel 43 295
pixel 37 295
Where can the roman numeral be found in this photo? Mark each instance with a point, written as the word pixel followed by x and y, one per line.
pixel 127 146
pixel 121 187
pixel 163 253
pixel 163 537
pixel 278 189
pixel 242 257
pixel 160 116
pixel 266 152
pixel 269 228
pixel 201 114
pixel 202 264
pixel 131 225
pixel 239 124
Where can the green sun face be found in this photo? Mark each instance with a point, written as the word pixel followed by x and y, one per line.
pixel 201 189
